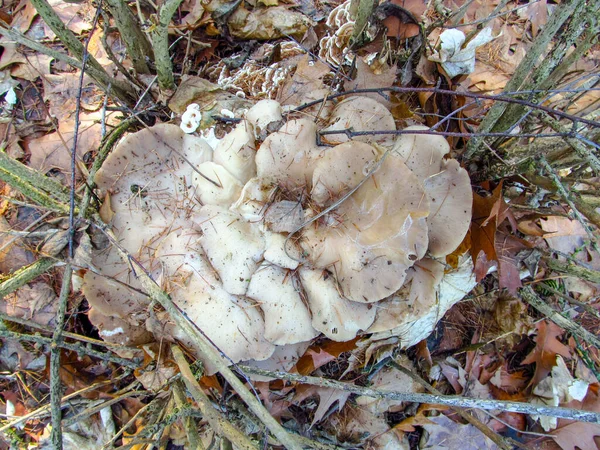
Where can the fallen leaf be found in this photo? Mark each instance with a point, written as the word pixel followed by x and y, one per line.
pixel 483 232
pixel 558 388
pixel 35 301
pixel 447 434
pixel 547 347
pixel 571 435
pixel 51 152
pixel 374 77
pixel 507 248
pixel 317 356
pixel 307 78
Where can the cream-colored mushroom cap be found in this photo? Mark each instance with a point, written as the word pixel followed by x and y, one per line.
pixel 236 152
pixel 233 246
pixel 287 319
pixel 371 239
pixel 336 317
pixel 217 186
pixel 447 185
pixel 359 114
pixel 264 115
pixel 288 156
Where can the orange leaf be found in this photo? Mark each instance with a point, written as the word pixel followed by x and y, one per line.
pixel 319 355
pixel 547 346
pixel 483 231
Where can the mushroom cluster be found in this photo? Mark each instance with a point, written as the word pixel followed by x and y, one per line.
pixel 270 240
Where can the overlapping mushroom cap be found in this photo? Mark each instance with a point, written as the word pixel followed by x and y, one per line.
pixel 269 244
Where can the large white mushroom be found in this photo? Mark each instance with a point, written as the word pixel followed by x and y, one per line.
pixel 271 240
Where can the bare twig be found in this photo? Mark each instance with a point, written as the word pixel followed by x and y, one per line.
pixel 25 274
pixel 65 401
pixel 504 443
pixel 75 347
pixel 449 400
pixel 529 295
pixel 567 198
pixel 219 424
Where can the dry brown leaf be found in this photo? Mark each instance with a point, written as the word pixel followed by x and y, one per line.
pixel 307 78
pixel 447 434
pixel 547 346
pixel 34 301
pixel 49 151
pixel 483 232
pixel 15 255
pixel 372 77
pixel 317 356
pixel 571 435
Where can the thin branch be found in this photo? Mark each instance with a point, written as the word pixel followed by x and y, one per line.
pixel 25 274
pixel 448 400
pixel 567 197
pixel 219 424
pixel 529 295
pixel 503 98
pixel 65 401
pixel 503 443
pixel 75 347
pixel 66 334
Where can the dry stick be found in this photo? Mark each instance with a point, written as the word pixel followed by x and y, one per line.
pixel 160 44
pixel 207 350
pixel 504 443
pixel 75 347
pixel 504 98
pixel 191 429
pixel 25 274
pixel 131 421
pixel 78 337
pixel 567 197
pixel 524 69
pixel 136 41
pixel 449 400
pixel 575 144
pixel 100 406
pixel 20 38
pixel 529 295
pixel 216 420
pixel 565 38
pixel 586 307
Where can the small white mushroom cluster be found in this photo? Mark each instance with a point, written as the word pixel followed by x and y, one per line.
pixel 266 245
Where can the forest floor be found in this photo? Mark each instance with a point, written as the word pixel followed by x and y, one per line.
pixel 513 89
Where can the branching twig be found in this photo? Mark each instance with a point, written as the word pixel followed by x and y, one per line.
pixel 567 198
pixel 75 347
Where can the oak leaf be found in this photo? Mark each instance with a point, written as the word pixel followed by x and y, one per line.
pixel 547 346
